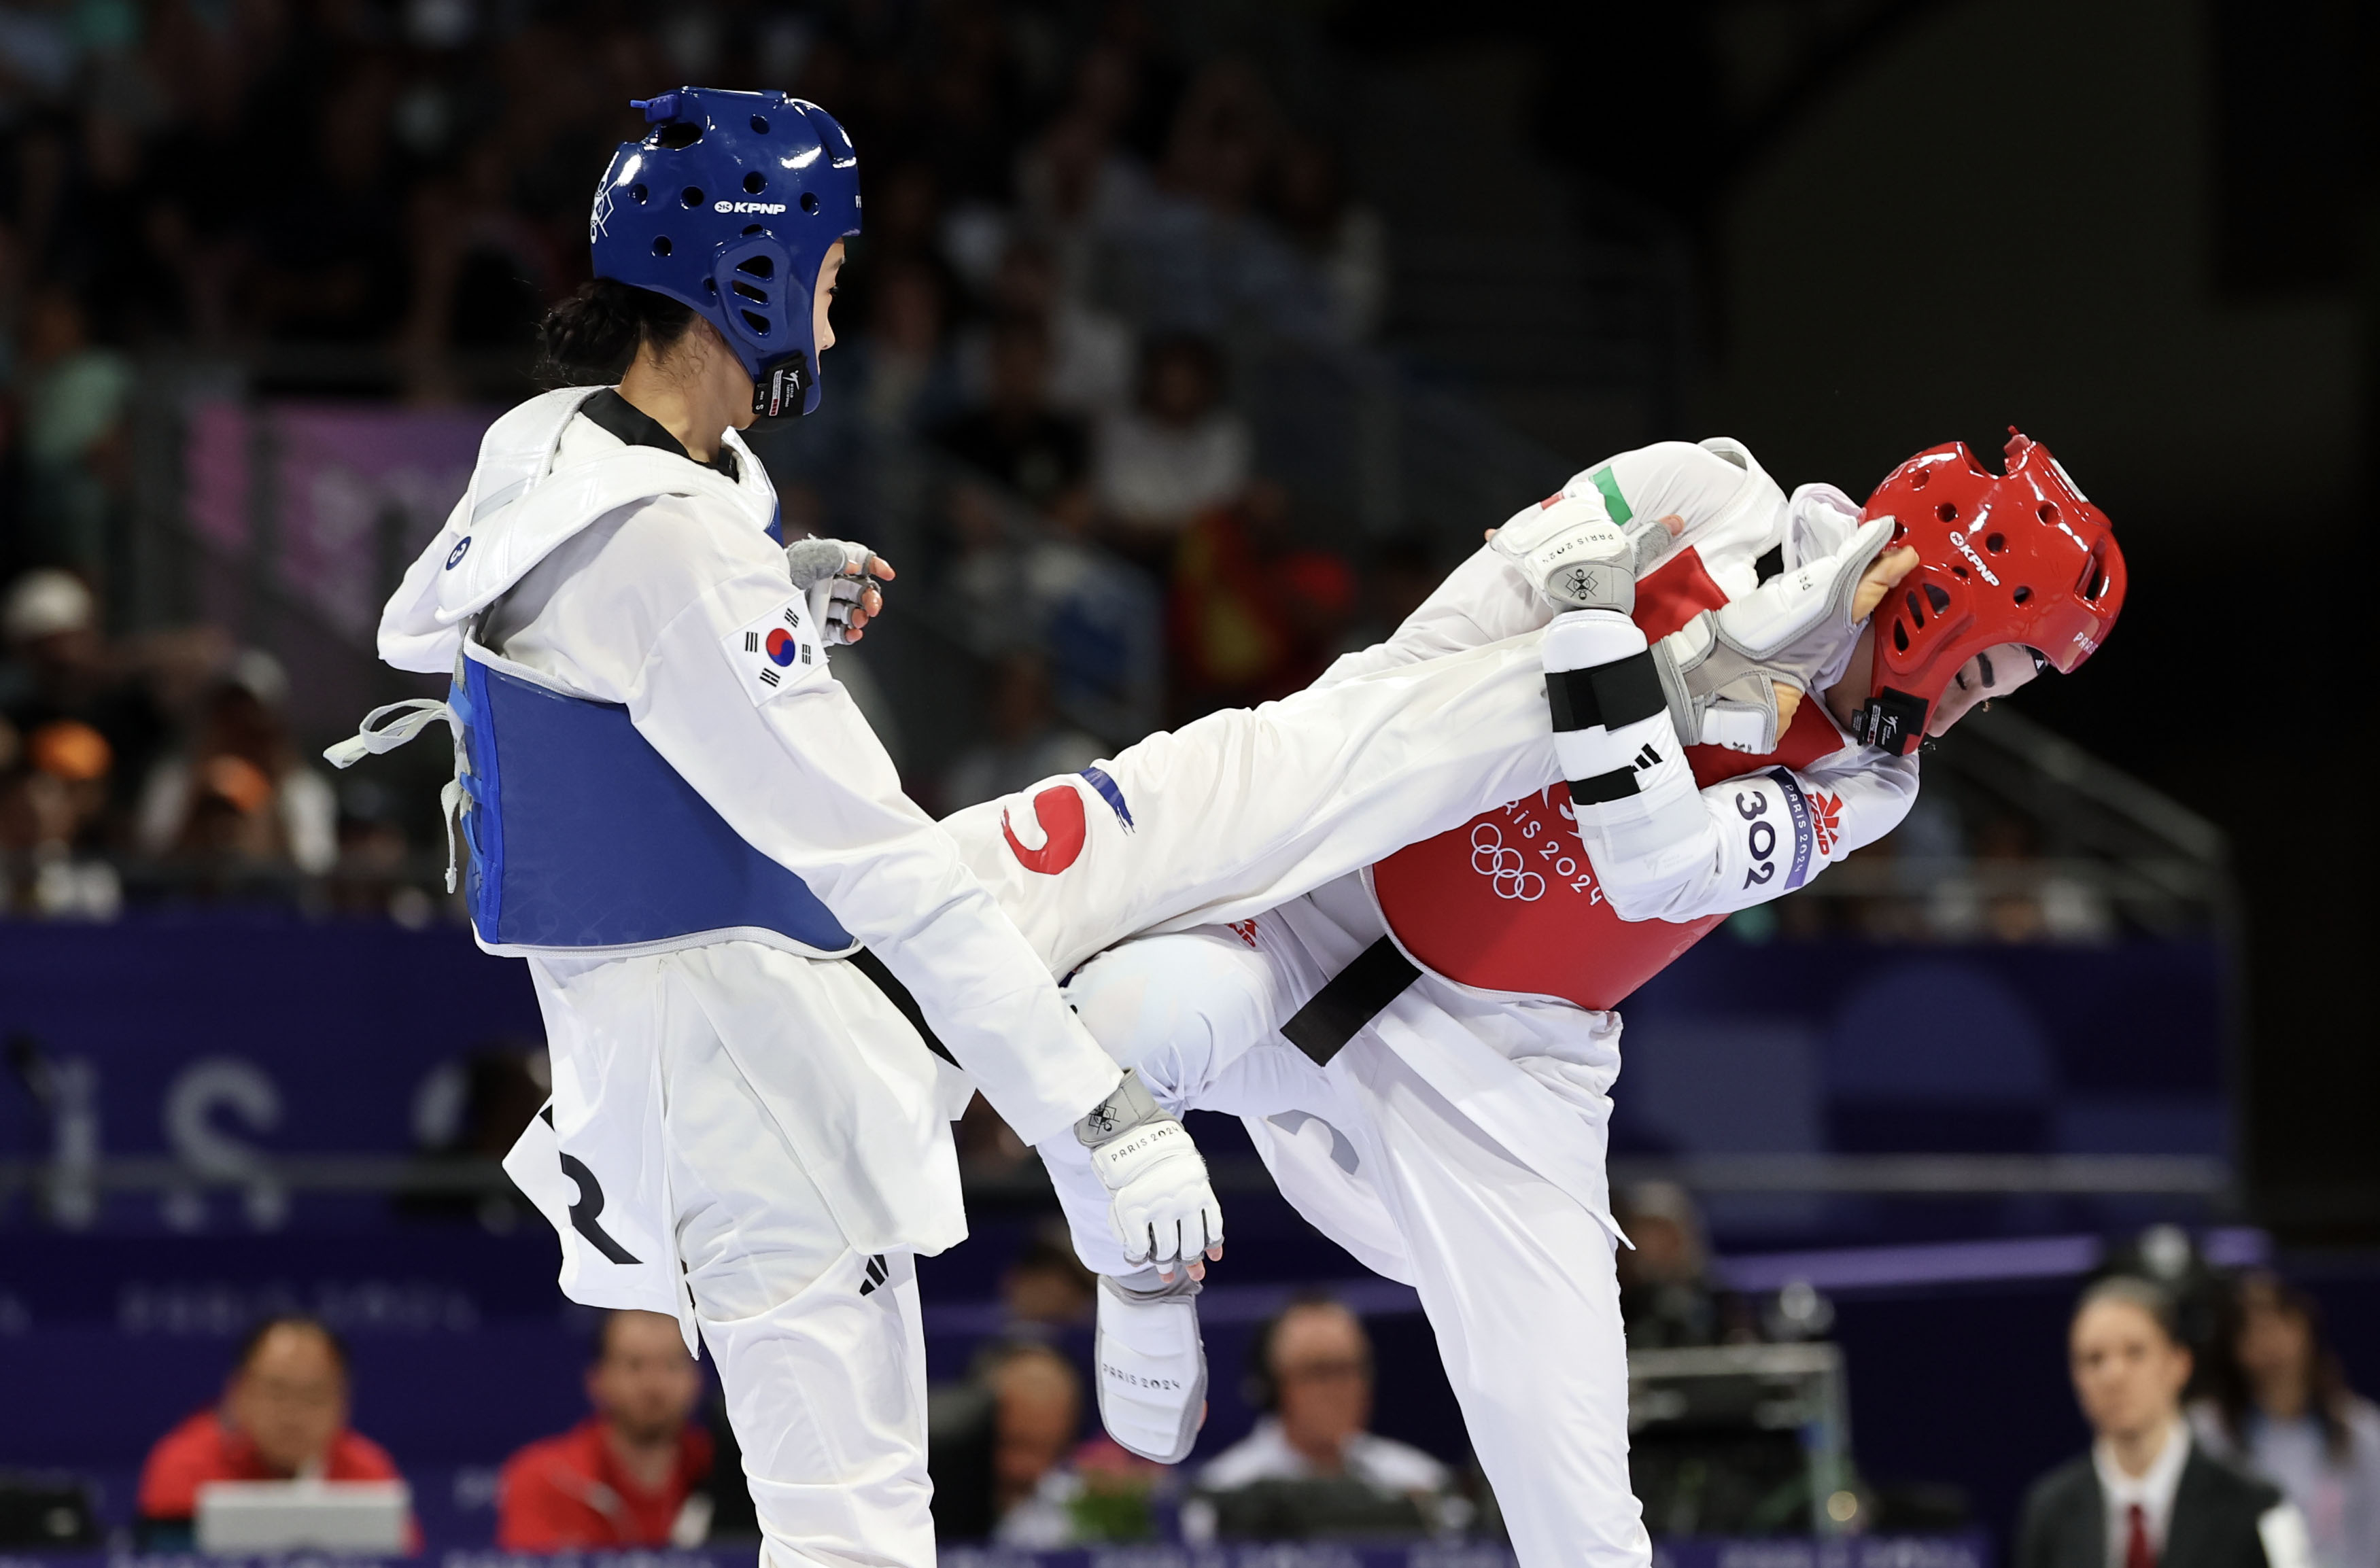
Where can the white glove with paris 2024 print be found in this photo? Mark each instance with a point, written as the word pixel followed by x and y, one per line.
pixel 1159 1199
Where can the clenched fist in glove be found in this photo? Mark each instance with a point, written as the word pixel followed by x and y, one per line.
pixel 1570 550
pixel 1157 1195
pixel 1734 675
pixel 844 582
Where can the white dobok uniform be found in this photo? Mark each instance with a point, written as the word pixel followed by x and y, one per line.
pixel 745 1132
pixel 1457 1142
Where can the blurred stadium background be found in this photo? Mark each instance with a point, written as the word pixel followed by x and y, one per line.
pixel 1186 344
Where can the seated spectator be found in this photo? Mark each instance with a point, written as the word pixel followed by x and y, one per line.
pixel 284 1415
pixel 1253 616
pixel 626 1476
pixel 61 669
pixel 2145 1485
pixel 2283 1410
pixel 1028 741
pixel 75 449
pixel 1178 452
pixel 1090 351
pixel 903 376
pixel 241 796
pixel 1348 241
pixel 1016 437
pixel 1037 1415
pixel 1312 1374
pixel 1666 1297
pixel 1046 1287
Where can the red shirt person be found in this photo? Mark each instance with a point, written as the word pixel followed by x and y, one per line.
pixel 623 1476
pixel 284 1415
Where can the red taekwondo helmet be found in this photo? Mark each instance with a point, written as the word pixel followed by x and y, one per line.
pixel 2018 557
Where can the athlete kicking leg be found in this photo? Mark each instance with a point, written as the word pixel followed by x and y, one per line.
pixel 1464 1126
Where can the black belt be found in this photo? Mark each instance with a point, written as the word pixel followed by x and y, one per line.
pixel 896 994
pixel 1353 999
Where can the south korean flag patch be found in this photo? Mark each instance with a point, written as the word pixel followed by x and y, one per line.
pixel 777 653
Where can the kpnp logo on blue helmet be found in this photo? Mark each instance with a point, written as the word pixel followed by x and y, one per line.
pixel 729 205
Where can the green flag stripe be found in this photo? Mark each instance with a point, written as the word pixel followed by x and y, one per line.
pixel 1613 500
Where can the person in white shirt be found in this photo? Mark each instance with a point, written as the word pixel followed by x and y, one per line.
pixel 2146 1496
pixel 1311 1367
pixel 2285 1411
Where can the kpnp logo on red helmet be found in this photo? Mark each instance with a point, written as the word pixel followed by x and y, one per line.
pixel 2020 557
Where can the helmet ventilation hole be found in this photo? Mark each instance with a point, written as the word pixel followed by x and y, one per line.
pixel 1916 611
pixel 1996 543
pixel 691 196
pixel 2022 594
pixel 1899 637
pixel 760 124
pixel 2048 511
pixel 640 193
pixel 809 201
pixel 710 286
pixel 675 137
pixel 747 291
pixel 1939 597
pixel 661 245
pixel 1947 512
pixel 1959 573
pixel 751 229
pixel 759 266
pixel 1917 481
pixel 753 319
pixel 754 184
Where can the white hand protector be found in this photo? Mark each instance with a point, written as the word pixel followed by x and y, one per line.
pixel 1719 671
pixel 1570 550
pixel 1151 1364
pixel 1159 1199
pixel 1630 791
pixel 832 574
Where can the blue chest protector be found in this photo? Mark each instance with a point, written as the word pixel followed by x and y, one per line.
pixel 582 835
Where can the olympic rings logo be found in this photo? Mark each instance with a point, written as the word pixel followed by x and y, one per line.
pixel 1503 866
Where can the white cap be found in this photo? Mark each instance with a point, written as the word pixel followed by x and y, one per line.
pixel 44 603
pixel 261 675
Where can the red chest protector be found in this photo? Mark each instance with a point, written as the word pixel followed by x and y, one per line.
pixel 1507 901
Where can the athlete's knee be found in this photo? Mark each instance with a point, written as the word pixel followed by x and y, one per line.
pixel 1168 1007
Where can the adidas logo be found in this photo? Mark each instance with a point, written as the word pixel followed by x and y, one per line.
pixel 876 1273
pixel 1648 758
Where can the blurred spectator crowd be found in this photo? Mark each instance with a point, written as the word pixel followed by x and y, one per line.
pixel 2218 1395
pixel 1081 232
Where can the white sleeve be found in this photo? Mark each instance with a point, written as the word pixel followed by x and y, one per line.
pixel 669 609
pixel 1485 601
pixel 1765 835
pixel 798 774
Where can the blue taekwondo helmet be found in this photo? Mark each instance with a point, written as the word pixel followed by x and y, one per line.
pixel 729 205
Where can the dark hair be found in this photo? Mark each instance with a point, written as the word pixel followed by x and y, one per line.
pixel 2146 1294
pixel 593 336
pixel 1260 1386
pixel 311 1324
pixel 2328 1396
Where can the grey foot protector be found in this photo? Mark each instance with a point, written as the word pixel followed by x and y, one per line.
pixel 1145 1289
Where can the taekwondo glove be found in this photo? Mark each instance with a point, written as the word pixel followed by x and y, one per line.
pixel 1720 670
pixel 1577 557
pixel 1151 1364
pixel 832 574
pixel 1158 1199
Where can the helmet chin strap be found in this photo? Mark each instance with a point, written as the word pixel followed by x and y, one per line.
pixel 780 393
pixel 1892 720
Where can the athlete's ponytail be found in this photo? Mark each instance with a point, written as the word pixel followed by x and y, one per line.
pixel 593 336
